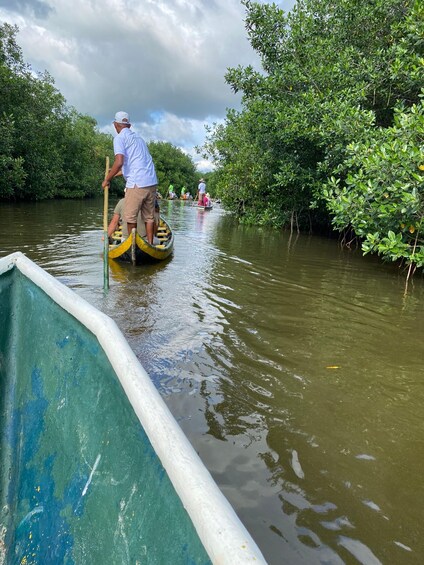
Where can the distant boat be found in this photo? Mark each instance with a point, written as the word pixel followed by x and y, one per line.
pixel 137 250
pixel 94 467
pixel 209 205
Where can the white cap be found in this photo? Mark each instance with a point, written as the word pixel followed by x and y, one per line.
pixel 122 118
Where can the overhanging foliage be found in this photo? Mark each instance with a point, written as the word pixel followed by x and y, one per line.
pixel 335 77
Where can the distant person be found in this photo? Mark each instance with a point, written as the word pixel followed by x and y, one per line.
pixel 201 191
pixel 171 193
pixel 183 193
pixel 133 158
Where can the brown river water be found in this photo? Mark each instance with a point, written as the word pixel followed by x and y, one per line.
pixel 294 367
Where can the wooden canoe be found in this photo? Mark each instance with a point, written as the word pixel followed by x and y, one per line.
pixel 136 250
pixel 94 468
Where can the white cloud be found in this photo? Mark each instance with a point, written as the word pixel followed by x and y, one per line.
pixel 185 133
pixel 163 61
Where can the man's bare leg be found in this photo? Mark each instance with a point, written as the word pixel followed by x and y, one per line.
pixel 150 226
pixel 130 227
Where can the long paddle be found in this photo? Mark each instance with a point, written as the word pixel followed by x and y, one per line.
pixel 105 236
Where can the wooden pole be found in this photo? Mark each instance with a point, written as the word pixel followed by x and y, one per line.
pixel 105 236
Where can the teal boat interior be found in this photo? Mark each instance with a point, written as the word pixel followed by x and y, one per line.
pixel 80 479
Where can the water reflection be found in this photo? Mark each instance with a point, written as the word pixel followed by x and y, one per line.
pixel 294 367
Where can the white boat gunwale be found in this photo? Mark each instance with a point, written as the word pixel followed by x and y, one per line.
pixel 225 538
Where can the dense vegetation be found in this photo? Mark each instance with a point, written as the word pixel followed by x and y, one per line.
pixel 49 150
pixel 174 167
pixel 331 129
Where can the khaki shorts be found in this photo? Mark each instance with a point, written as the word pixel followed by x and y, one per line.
pixel 140 200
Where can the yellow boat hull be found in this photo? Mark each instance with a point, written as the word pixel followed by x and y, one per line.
pixel 137 250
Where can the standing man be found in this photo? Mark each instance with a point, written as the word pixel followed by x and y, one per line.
pixel 201 190
pixel 134 162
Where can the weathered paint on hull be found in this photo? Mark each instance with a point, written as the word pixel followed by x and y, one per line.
pixel 81 482
pixel 94 468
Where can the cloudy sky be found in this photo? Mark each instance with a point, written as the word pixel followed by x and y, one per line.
pixel 163 61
